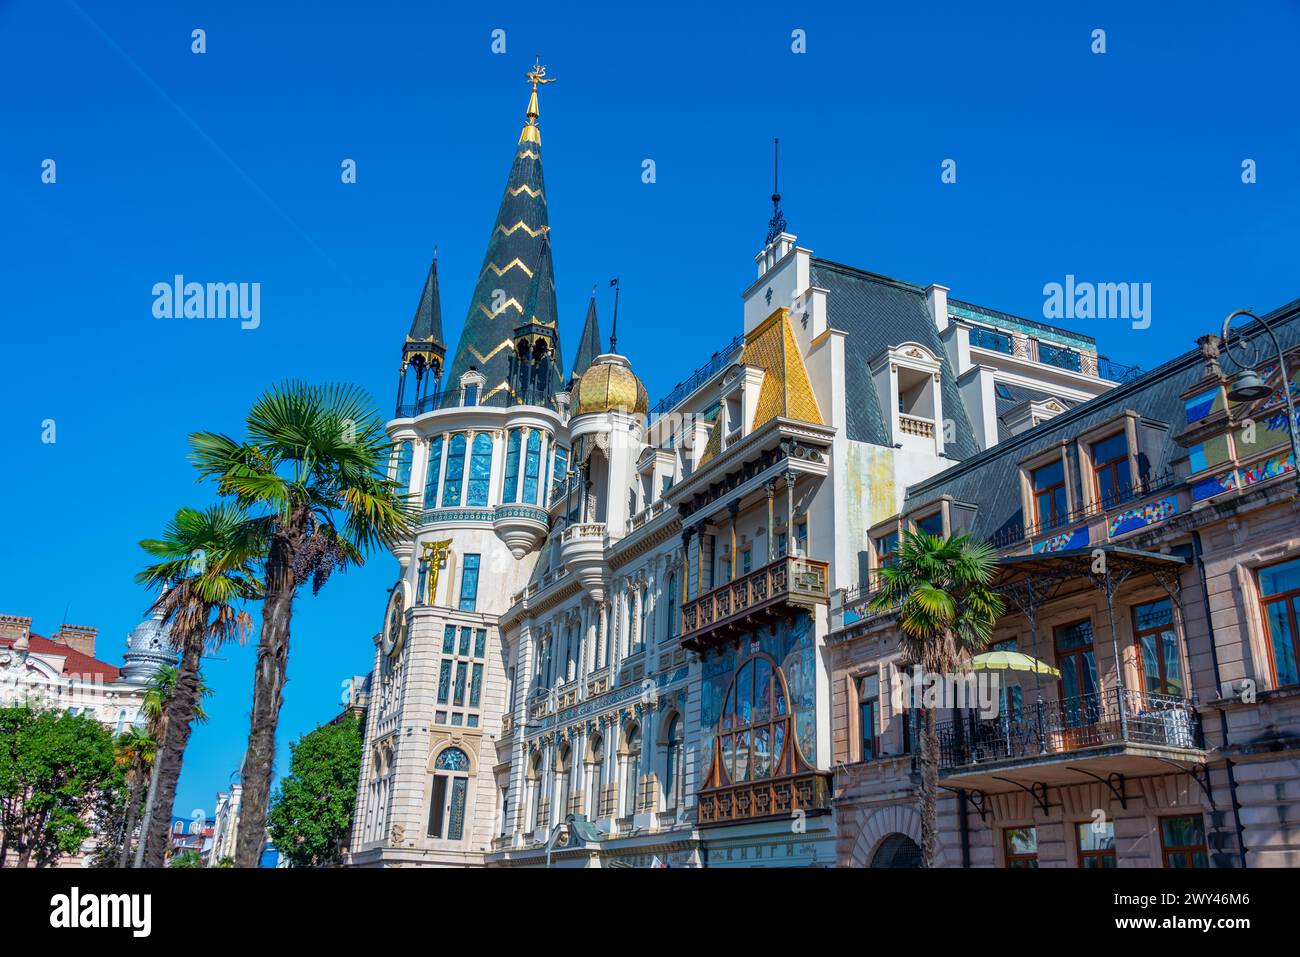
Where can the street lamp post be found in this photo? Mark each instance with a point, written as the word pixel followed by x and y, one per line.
pixel 1247 385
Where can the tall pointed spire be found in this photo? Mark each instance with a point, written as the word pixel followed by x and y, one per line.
pixel 514 269
pixel 776 225
pixel 424 350
pixel 589 343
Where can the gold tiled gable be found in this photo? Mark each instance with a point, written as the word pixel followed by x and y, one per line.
pixel 786 389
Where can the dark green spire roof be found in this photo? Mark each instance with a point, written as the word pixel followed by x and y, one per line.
pixel 589 343
pixel 515 273
pixel 427 324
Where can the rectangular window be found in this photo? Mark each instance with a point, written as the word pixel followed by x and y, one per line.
pixel 469 584
pixel 459 698
pixel 405 455
pixel 801 538
pixel 433 473
pixel 471 395
pixel 532 464
pixel 464 642
pixel 1096 844
pixel 1158 657
pixel 869 716
pixel 451 487
pixel 449 640
pixel 1048 483
pixel 931 524
pixel 886 546
pixel 746 561
pixel 1020 844
pixel 480 470
pixel 1110 469
pixel 1279 592
pixel 511 486
pixel 1078 664
pixel 1182 839
pixel 437 805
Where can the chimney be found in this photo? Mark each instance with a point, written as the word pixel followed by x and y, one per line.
pixel 77 637
pixel 937 298
pixel 15 628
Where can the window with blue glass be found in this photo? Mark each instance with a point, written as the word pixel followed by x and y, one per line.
pixel 988 339
pixel 471 395
pixel 511 490
pixel 1061 358
pixel 480 470
pixel 561 462
pixel 451 487
pixel 405 455
pixel 1279 592
pixel 433 473
pixel 448 795
pixel 460 676
pixel 532 465
pixel 469 583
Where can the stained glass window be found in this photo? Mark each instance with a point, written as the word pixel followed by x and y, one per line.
pixel 469 583
pixel 455 471
pixel 480 470
pixel 532 463
pixel 433 473
pixel 452 759
pixel 754 725
pixel 509 493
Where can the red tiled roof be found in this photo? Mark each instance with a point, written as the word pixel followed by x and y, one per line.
pixel 74 662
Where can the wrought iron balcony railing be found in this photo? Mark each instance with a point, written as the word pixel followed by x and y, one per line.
pixel 1066 725
pixel 750 599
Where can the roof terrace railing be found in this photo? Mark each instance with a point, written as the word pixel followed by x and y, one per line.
pixel 720 359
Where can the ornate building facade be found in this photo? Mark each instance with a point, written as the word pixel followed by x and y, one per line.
pixel 626 635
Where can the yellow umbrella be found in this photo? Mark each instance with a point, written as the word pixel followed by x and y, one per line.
pixel 1016 670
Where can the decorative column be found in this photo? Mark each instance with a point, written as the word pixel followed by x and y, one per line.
pixel 771 520
pixel 789 513
pixel 686 563
pixel 734 511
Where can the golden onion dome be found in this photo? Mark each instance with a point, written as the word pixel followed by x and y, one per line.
pixel 609 384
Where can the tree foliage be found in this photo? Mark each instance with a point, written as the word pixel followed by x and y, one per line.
pixel 311 815
pixel 56 772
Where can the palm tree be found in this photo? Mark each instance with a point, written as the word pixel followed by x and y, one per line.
pixel 313 470
pixel 136 749
pixel 941 591
pixel 205 568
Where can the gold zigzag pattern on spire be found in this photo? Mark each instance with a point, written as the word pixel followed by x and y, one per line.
pixel 502 270
pixel 502 385
pixel 527 154
pixel 525 188
pixel 508 303
pixel 518 226
pixel 504 344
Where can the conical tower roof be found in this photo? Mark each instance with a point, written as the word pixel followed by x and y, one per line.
pixel 515 272
pixel 425 338
pixel 589 343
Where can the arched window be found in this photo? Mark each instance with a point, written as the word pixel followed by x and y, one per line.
pixel 596 765
pixel 433 473
pixel 674 615
pixel 535 792
pixel 455 471
pixel 897 850
pixel 563 768
pixel 405 455
pixel 450 789
pixel 511 489
pixel 754 731
pixel 532 462
pixel 121 721
pixel 480 470
pixel 673 761
pixel 631 769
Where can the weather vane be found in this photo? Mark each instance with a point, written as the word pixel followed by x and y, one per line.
pixel 538 73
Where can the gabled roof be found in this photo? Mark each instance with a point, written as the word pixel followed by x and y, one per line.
pixel 878 312
pixel 74 662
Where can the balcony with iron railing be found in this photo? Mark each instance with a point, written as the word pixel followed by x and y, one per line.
pixel 754 599
pixel 1121 730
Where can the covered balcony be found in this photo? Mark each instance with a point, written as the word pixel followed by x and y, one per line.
pixel 807 791
pixel 753 600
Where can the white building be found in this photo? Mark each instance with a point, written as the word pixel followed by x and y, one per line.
pixel 607 642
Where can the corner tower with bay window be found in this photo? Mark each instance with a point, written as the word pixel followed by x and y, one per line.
pixel 476 451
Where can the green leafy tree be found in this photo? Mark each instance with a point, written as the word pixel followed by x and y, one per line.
pixel 313 471
pixel 186 858
pixel 205 569
pixel 941 590
pixel 55 769
pixel 311 815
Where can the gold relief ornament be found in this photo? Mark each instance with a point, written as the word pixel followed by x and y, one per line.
pixel 434 556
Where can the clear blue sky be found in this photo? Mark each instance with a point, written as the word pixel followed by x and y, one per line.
pixel 225 167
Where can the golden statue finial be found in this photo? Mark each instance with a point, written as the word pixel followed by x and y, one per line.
pixel 535 76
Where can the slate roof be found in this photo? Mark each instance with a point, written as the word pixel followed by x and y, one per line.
pixel 1017 396
pixel 878 312
pixel 589 342
pixel 426 326
pixel 990 480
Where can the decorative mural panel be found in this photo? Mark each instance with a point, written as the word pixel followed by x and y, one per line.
pixel 1208 488
pixel 1206 455
pixel 1267 469
pixel 1075 538
pixel 1202 406
pixel 1268 431
pixel 1149 514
